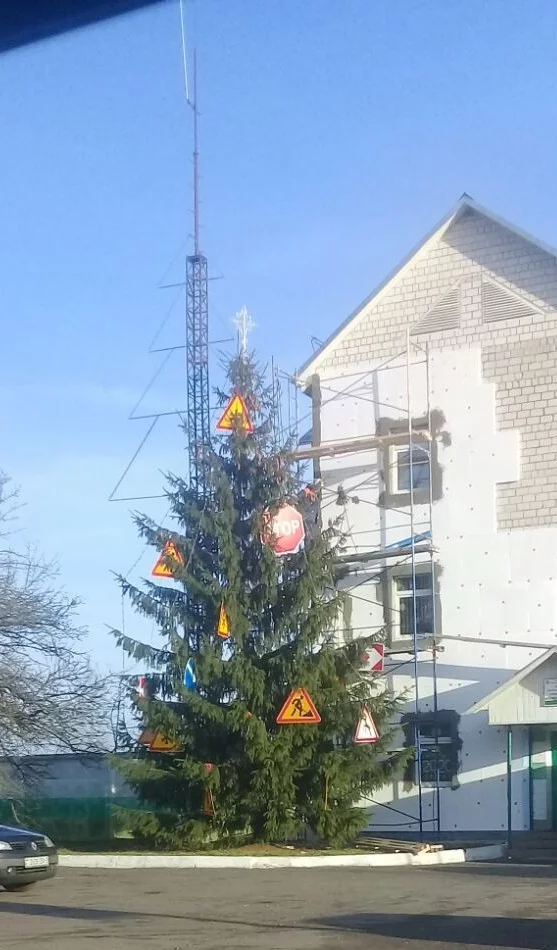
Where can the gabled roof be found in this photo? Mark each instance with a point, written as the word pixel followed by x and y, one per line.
pixel 465 204
pixel 486 702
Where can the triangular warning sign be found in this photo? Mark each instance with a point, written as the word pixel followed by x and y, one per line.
pixel 162 743
pixel 223 625
pixel 235 416
pixel 298 708
pixel 162 568
pixel 157 742
pixel 366 730
pixel 146 737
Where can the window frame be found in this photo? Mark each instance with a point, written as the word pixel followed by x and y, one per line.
pixel 397 437
pixel 447 719
pixel 430 744
pixel 395 598
pixel 395 450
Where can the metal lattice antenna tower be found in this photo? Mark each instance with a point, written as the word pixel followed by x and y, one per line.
pixel 197 329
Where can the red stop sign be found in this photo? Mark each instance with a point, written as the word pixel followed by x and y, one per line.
pixel 284 531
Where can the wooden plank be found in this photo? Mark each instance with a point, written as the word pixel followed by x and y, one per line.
pixel 392 845
pixel 351 446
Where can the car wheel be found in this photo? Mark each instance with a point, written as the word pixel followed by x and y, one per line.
pixel 17 887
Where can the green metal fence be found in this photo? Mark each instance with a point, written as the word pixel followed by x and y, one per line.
pixel 67 820
pixel 71 798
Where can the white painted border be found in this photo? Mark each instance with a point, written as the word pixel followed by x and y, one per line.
pixel 487 852
pixel 191 861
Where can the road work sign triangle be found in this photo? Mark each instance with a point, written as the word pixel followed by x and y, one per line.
pixel 223 624
pixel 299 709
pixel 235 417
pixel 157 742
pixel 162 568
pixel 366 730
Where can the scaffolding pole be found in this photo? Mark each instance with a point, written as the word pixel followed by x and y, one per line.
pixel 411 551
pixel 417 732
pixel 433 605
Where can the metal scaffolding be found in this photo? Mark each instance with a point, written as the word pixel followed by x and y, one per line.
pixel 410 552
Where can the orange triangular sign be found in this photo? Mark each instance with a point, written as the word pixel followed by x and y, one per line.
pixel 366 730
pixel 157 742
pixel 299 708
pixel 146 738
pixel 223 625
pixel 162 568
pixel 162 743
pixel 235 416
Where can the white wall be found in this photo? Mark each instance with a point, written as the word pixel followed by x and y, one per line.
pixel 494 586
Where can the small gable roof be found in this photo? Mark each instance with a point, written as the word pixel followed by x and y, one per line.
pixel 486 702
pixel 463 206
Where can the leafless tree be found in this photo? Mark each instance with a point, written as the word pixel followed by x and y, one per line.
pixel 51 698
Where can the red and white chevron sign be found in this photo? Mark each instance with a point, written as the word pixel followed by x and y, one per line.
pixel 373 660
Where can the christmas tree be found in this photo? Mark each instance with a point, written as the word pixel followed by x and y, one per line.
pixel 241 628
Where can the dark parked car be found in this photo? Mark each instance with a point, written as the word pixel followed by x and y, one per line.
pixel 25 857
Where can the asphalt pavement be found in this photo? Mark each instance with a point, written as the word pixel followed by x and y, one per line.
pixel 508 907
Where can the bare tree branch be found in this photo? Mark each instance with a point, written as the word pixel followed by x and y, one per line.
pixel 51 698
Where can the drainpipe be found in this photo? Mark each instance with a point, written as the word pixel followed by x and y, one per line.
pixel 530 779
pixel 509 786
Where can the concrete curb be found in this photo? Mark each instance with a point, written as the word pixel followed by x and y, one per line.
pixel 486 852
pixel 192 861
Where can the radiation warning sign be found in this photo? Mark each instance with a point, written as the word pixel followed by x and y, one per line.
pixel 235 416
pixel 223 624
pixel 298 709
pixel 157 742
pixel 366 730
pixel 162 568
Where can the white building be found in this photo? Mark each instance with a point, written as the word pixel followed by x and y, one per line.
pixel 460 345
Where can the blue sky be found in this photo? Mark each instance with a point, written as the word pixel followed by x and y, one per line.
pixel 334 134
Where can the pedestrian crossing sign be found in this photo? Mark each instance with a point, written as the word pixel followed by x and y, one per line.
pixel 366 730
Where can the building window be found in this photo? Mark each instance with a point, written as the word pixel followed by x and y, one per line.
pixel 439 744
pixel 413 605
pixel 409 468
pixel 437 753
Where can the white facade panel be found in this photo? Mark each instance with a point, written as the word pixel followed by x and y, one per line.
pixel 495 555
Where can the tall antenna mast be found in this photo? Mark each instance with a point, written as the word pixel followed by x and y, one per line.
pixel 195 158
pixel 197 328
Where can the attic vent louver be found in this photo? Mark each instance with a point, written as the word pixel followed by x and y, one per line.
pixel 444 315
pixel 498 303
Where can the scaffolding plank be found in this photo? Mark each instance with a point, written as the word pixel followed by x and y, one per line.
pixel 352 446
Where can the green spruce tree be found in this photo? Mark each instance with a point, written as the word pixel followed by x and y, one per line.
pixel 252 777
